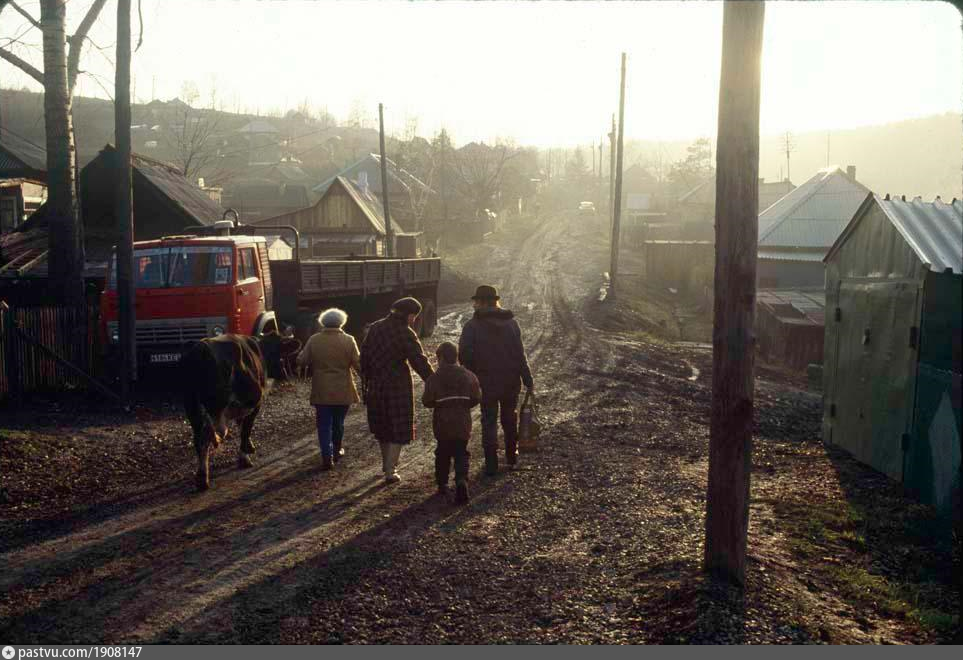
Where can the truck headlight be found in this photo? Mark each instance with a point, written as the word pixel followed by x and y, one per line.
pixel 217 331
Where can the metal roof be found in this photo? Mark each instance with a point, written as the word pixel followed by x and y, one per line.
pixel 814 214
pixel 933 229
pixel 791 255
pixel 19 156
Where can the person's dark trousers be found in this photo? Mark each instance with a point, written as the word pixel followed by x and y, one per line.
pixel 449 449
pixel 505 408
pixel 330 421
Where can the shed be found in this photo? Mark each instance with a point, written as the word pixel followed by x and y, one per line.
pixel 796 232
pixel 164 204
pixel 894 286
pixel 789 326
pixel 23 176
pixel 346 220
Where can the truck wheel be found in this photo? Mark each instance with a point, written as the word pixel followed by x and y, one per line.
pixel 428 319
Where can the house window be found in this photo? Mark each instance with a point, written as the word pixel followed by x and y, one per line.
pixel 245 264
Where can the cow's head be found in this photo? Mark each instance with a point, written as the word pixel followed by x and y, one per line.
pixel 277 352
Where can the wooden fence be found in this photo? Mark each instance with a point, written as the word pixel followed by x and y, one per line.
pixel 29 336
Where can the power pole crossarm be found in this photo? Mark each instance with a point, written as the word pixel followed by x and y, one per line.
pixel 737 221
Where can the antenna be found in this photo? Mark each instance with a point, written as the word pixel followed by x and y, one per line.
pixel 788 146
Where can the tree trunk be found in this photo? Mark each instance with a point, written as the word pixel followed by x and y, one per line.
pixel 66 255
pixel 737 202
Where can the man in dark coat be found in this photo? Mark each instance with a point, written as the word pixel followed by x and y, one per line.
pixel 491 347
pixel 388 348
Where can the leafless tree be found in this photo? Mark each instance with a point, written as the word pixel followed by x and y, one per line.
pixel 191 137
pixel 61 65
pixel 478 172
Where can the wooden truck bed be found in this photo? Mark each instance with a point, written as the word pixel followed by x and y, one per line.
pixel 345 278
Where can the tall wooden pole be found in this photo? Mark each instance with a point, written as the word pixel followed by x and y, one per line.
pixel 611 208
pixel 389 235
pixel 617 214
pixel 123 205
pixel 733 344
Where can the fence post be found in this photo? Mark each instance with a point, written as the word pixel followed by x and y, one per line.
pixel 10 351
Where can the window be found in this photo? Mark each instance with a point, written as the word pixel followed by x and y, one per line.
pixel 245 264
pixel 163 267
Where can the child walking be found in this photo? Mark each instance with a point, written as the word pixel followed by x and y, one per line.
pixel 452 391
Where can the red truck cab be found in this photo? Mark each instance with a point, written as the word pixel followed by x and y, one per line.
pixel 189 288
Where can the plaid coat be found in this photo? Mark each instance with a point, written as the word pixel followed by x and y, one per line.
pixel 388 348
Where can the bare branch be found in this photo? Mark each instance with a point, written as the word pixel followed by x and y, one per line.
pixel 33 21
pixel 77 42
pixel 23 65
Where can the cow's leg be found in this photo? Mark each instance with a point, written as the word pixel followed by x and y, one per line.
pixel 204 436
pixel 247 445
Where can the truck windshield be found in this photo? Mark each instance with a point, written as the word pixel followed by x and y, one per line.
pixel 178 266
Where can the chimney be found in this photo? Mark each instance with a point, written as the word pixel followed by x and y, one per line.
pixel 851 172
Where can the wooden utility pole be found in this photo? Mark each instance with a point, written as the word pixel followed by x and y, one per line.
pixel 389 235
pixel 611 209
pixel 617 214
pixel 733 345
pixel 123 206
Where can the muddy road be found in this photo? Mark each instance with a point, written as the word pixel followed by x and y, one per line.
pixel 595 539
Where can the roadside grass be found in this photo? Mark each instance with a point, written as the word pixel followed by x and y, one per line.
pixel 887 561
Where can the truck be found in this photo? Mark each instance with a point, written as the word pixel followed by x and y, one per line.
pixel 208 283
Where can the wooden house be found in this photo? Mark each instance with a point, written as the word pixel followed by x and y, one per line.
pixel 347 220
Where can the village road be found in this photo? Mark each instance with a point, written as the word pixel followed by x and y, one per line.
pixel 169 569
pixel 596 538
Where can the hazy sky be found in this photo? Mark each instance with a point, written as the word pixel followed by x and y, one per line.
pixel 541 72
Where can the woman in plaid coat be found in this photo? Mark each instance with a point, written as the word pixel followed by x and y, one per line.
pixel 388 348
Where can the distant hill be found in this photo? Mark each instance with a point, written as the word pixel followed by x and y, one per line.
pixel 913 157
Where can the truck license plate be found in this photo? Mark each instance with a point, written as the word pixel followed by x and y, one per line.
pixel 165 357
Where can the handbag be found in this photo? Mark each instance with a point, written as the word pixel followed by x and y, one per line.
pixel 529 425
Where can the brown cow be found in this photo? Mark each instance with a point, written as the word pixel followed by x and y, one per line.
pixel 224 381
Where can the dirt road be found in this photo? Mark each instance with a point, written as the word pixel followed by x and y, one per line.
pixel 597 538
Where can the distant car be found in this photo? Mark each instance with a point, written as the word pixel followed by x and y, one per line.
pixel 586 208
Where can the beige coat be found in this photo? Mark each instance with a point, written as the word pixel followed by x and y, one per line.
pixel 332 354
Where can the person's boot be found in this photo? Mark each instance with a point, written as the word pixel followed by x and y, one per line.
pixel 491 462
pixel 461 492
pixel 442 489
pixel 326 463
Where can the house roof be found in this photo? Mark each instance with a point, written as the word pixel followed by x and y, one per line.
pixel 194 203
pixel 372 164
pixel 814 214
pixel 792 255
pixel 21 157
pixel 794 305
pixel 257 126
pixel 695 191
pixel 370 206
pixel 934 230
